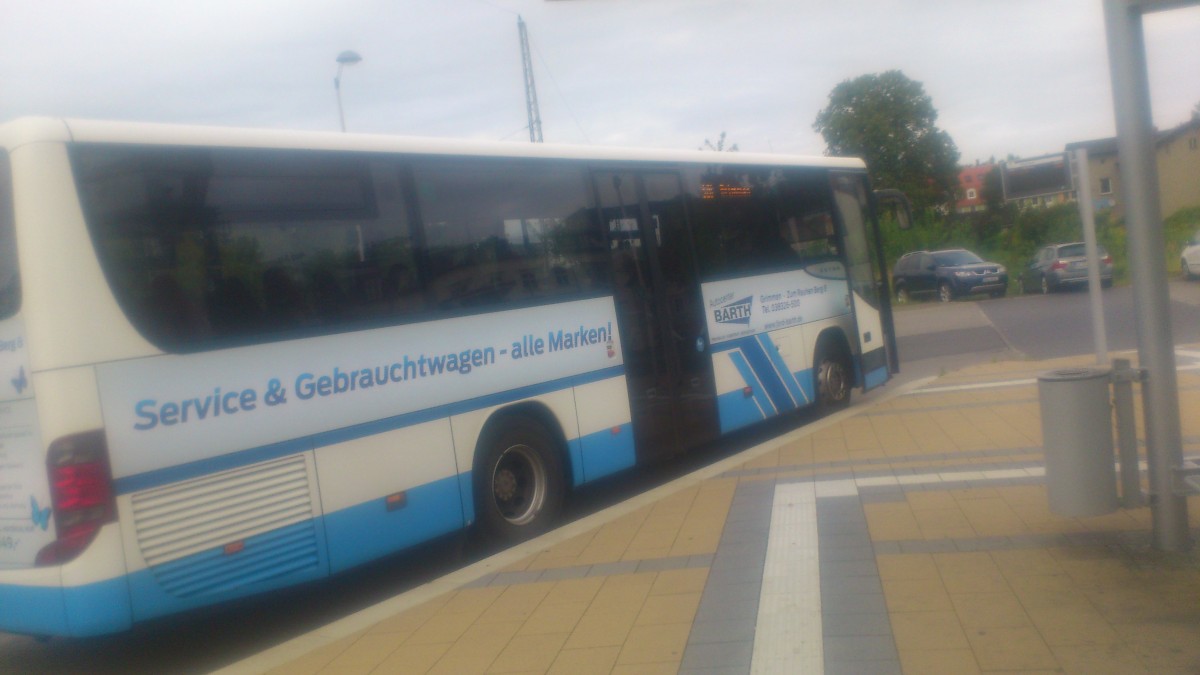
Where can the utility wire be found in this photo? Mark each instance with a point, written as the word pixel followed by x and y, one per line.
pixel 548 72
pixel 513 133
pixel 560 93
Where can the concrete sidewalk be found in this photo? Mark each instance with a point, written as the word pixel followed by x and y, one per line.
pixel 911 535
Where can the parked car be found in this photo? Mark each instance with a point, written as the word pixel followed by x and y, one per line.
pixel 1063 266
pixel 1189 260
pixel 947 275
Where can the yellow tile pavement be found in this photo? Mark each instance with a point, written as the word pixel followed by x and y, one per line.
pixel 1024 604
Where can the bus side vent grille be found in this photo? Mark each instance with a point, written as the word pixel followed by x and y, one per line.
pixel 228 530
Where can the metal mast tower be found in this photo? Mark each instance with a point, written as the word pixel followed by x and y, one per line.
pixel 531 102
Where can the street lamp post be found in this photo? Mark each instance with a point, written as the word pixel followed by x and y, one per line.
pixel 346 58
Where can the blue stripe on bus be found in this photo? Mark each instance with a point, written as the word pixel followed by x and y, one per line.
pixel 606 452
pixel 806 379
pixel 797 393
pixel 876 377
pixel 369 530
pixel 771 381
pixel 351 537
pixel 174 474
pixel 466 492
pixel 736 410
pixel 154 592
pixel 575 451
pixel 75 611
pixel 750 378
pixel 262 557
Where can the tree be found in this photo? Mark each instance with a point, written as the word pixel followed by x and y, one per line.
pixel 993 190
pixel 720 146
pixel 889 121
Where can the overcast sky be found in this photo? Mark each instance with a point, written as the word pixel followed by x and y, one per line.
pixel 1007 76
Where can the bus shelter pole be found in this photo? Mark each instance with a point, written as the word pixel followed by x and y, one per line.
pixel 1087 213
pixel 1143 217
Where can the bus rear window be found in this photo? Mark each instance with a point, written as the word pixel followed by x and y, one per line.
pixel 10 279
pixel 207 247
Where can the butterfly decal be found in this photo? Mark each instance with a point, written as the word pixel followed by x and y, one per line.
pixel 41 517
pixel 19 382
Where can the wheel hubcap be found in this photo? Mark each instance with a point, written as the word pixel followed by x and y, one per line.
pixel 519 484
pixel 832 380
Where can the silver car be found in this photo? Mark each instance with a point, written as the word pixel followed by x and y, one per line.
pixel 1062 266
pixel 1189 260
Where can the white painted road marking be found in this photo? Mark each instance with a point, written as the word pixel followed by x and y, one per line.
pixel 787 636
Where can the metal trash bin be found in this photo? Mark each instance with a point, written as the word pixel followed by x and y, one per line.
pixel 1077 433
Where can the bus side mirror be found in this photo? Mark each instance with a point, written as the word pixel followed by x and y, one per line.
pixel 895 203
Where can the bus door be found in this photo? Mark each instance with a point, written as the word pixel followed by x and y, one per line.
pixel 858 231
pixel 660 312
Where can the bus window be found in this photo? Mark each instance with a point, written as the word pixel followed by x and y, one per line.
pixel 505 231
pixel 204 247
pixel 757 219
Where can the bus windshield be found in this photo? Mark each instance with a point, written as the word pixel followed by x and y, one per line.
pixel 10 281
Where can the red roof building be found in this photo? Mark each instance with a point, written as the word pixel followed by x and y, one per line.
pixel 970 186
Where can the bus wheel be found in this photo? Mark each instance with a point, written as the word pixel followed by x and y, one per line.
pixel 518 481
pixel 833 377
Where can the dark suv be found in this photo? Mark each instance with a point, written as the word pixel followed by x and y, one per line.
pixel 949 274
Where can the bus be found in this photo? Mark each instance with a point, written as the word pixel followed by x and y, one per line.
pixel 236 360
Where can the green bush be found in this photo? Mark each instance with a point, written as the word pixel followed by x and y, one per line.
pixel 1178 230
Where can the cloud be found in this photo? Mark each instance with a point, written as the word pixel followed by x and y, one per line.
pixel 1022 77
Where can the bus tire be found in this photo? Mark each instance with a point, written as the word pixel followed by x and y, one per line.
pixel 834 374
pixel 519 486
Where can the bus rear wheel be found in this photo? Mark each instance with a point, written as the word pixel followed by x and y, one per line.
pixel 519 485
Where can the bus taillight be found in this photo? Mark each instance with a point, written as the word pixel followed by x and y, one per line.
pixel 81 494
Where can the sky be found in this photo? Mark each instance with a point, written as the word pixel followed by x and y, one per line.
pixel 1008 77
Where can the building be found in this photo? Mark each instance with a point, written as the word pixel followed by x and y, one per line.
pixel 970 187
pixel 1178 160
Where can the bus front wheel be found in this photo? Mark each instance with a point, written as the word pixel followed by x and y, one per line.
pixel 518 481
pixel 833 376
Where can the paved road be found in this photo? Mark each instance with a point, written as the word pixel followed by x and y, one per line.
pixel 1060 324
pixel 935 338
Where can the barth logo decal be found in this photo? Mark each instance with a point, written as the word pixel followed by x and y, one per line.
pixel 737 311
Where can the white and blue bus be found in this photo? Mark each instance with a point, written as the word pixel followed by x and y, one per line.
pixel 237 360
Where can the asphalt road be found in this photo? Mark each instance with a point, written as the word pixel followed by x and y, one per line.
pixel 1060 324
pixel 934 338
